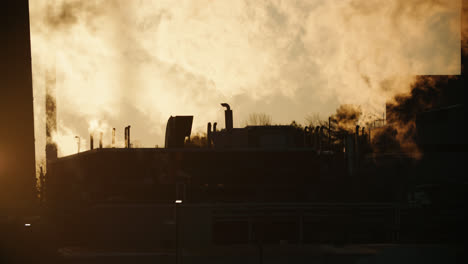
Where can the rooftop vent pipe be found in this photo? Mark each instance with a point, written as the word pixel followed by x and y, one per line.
pixel 208 134
pixel 126 128
pixel 228 116
pixel 113 137
pixel 127 137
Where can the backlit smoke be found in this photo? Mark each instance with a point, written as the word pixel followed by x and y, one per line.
pixel 426 93
pixel 347 117
pixel 138 62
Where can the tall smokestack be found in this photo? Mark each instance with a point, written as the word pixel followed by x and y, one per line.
pixel 126 137
pixel 51 112
pixel 228 116
pixel 91 142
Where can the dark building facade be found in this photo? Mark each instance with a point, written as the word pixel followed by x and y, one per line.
pixel 17 154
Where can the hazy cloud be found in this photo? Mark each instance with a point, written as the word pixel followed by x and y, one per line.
pixel 138 62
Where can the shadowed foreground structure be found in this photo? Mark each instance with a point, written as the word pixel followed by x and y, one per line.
pixel 259 194
pixel 17 157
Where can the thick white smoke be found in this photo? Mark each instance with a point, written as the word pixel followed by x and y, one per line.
pixel 138 62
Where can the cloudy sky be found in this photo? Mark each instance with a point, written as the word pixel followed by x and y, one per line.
pixel 121 62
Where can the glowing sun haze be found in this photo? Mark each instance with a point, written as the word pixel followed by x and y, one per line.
pixel 136 63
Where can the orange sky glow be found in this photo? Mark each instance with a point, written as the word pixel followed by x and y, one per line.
pixel 135 63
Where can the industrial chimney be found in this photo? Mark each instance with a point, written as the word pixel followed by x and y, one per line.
pixel 208 134
pixel 127 137
pixel 228 116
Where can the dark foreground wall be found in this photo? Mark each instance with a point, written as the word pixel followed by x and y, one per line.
pixel 17 159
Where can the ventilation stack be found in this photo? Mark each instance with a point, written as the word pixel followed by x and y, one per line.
pixel 113 137
pixel 177 129
pixel 127 137
pixel 228 116
pixel 208 134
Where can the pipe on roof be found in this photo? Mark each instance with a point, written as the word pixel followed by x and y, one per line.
pixel 128 138
pixel 228 116
pixel 113 137
pixel 208 134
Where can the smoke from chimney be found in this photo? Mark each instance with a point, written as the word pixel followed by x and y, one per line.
pixel 367 42
pixel 51 113
pixel 346 118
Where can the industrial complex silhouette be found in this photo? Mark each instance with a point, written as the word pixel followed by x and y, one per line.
pixel 244 191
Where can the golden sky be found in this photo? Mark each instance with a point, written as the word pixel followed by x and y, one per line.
pixel 121 62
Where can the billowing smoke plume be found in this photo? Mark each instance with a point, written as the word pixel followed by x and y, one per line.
pixel 62 15
pixel 346 118
pixel 426 92
pixel 51 114
pixel 138 62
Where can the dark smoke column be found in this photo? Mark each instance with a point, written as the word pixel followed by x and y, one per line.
pixel 17 157
pixel 51 114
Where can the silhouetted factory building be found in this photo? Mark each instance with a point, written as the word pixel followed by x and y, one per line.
pixel 257 184
pixel 282 169
pixel 251 164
